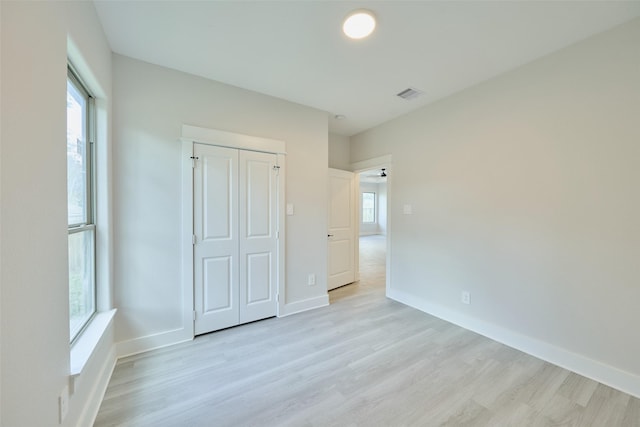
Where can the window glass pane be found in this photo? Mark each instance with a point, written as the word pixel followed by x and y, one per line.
pixel 368 207
pixel 76 155
pixel 82 301
pixel 81 280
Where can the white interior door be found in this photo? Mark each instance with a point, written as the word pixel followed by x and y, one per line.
pixel 342 228
pixel 216 251
pixel 235 228
pixel 258 235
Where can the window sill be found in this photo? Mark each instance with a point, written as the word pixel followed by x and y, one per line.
pixel 83 348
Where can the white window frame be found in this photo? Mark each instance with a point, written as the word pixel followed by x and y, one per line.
pixel 88 225
pixel 373 221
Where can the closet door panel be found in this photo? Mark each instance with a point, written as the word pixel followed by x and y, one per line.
pixel 258 235
pixel 216 263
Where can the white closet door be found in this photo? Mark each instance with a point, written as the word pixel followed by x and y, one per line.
pixel 258 235
pixel 235 224
pixel 216 266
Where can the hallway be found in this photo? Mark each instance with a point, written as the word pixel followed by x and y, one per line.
pixel 372 271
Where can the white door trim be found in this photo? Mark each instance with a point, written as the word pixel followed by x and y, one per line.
pixel 378 163
pixel 375 163
pixel 232 140
pixel 191 135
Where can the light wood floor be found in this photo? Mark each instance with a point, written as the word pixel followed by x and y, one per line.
pixel 363 361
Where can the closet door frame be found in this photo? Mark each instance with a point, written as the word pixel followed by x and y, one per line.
pixel 190 136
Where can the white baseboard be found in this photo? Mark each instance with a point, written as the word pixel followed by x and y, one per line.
pixel 152 342
pixel 304 305
pixel 91 408
pixel 164 339
pixel 580 364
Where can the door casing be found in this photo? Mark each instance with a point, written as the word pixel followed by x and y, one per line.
pixel 378 163
pixel 194 134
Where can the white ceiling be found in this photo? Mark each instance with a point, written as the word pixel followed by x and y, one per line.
pixel 295 50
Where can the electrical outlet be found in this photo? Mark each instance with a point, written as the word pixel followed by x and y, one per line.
pixel 465 297
pixel 311 280
pixel 63 403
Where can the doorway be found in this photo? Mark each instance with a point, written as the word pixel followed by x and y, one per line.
pixel 373 225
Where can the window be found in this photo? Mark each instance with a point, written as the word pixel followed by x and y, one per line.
pixel 368 208
pixel 80 205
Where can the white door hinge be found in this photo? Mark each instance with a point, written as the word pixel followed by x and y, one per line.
pixel 193 239
pixel 193 161
pixel 278 297
pixel 194 315
pixel 277 169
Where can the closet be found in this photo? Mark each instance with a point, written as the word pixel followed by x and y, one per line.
pixel 235 242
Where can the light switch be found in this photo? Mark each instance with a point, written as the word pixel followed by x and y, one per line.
pixel 408 210
pixel 289 208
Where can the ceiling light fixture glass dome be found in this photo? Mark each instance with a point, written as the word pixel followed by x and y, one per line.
pixel 359 24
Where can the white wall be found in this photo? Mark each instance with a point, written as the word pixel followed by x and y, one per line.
pixel 525 192
pixel 33 258
pixel 339 150
pixel 382 208
pixel 1 238
pixel 151 103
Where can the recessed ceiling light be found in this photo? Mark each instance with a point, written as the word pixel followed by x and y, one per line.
pixel 359 24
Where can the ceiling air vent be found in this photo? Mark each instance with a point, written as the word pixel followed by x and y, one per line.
pixel 409 93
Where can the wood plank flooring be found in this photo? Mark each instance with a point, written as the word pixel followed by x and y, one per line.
pixel 363 361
